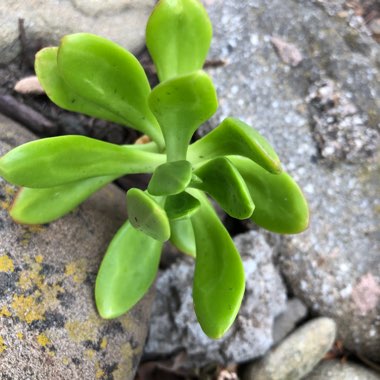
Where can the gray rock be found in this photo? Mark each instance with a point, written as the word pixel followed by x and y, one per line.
pixel 285 323
pixel 122 21
pixel 297 355
pixel 329 265
pixel 335 370
pixel 334 266
pixel 49 327
pixel 269 88
pixel 174 326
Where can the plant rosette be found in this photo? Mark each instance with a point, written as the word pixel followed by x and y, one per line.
pixel 233 164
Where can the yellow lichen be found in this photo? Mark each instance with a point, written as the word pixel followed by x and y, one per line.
pixel 70 269
pixel 27 308
pixel 39 259
pixel 80 331
pixel 130 324
pixel 20 335
pixel 89 353
pixel 49 293
pixel 35 228
pixel 77 270
pixel 6 264
pixel 104 343
pixel 66 361
pixel 3 346
pixel 31 278
pixel 4 312
pixel 99 372
pixel 126 352
pixel 43 340
pixel 28 232
pixel 9 192
pixel 4 205
pixel 25 238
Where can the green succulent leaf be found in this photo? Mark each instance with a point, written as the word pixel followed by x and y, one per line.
pixel 182 235
pixel 170 178
pixel 235 137
pixel 219 280
pixel 178 37
pixel 225 184
pixel 61 94
pixel 181 205
pixel 108 75
pixel 127 271
pixel 146 215
pixel 60 160
pixel 39 206
pixel 181 105
pixel 280 205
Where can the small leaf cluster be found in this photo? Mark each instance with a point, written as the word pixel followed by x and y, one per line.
pixel 233 164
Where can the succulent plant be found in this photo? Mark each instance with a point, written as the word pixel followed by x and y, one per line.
pixel 233 164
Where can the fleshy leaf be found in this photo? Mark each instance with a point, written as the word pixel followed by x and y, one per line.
pixel 170 178
pixel 235 137
pixel 38 206
pixel 178 36
pixel 280 205
pixel 182 236
pixel 61 94
pixel 146 215
pixel 181 105
pixel 219 280
pixel 60 160
pixel 127 271
pixel 224 183
pixel 108 75
pixel 181 205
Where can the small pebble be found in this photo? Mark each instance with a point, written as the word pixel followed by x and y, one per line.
pixel 29 85
pixel 336 370
pixel 289 53
pixel 297 355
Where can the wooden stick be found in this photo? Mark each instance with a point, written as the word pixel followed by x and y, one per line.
pixel 23 114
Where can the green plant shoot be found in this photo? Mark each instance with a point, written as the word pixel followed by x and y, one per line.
pixel 233 164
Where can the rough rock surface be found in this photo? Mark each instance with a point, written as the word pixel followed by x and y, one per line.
pixel 174 326
pixel 335 370
pixel 297 355
pixel 359 14
pixel 338 258
pixel 49 327
pixel 123 21
pixel 338 128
